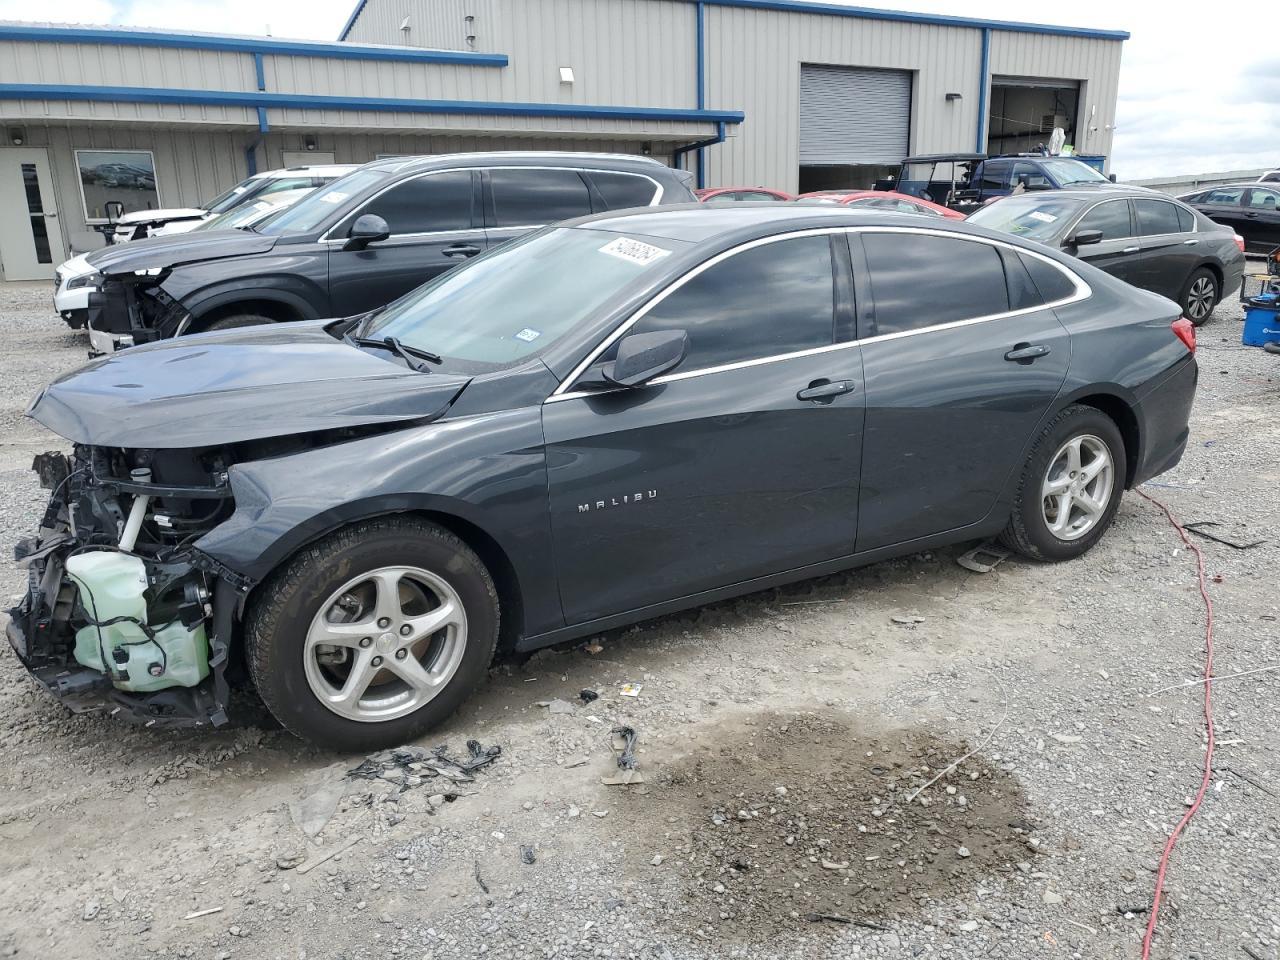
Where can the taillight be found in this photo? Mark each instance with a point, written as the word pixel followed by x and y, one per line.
pixel 1239 241
pixel 1185 331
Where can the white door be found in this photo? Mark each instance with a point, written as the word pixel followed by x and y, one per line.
pixel 30 239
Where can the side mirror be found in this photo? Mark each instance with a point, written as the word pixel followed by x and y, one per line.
pixel 643 356
pixel 1084 238
pixel 1111 177
pixel 368 228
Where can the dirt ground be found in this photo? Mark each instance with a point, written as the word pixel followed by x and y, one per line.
pixel 781 738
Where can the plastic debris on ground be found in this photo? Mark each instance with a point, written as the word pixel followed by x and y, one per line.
pixel 623 744
pixel 630 689
pixel 410 766
pixel 984 558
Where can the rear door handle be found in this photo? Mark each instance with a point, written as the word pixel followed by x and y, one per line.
pixel 461 250
pixel 1026 352
pixel 1190 243
pixel 824 391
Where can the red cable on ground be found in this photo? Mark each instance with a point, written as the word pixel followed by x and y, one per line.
pixel 1208 722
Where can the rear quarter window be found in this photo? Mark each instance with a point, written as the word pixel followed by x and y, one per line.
pixel 620 190
pixel 1052 283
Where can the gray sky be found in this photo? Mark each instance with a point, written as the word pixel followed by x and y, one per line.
pixel 1199 89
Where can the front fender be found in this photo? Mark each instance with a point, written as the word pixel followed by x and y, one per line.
pixel 488 470
pixel 298 282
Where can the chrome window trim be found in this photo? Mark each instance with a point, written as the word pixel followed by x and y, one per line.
pixel 563 392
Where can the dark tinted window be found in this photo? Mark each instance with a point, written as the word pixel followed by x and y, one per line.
pixel 974 287
pixel 772 299
pixel 623 189
pixel 1263 199
pixel 1186 220
pixel 1023 293
pixel 1156 217
pixel 995 175
pixel 1112 218
pixel 1053 284
pixel 441 201
pixel 531 196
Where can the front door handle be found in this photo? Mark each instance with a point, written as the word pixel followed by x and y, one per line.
pixel 824 391
pixel 461 250
pixel 1190 243
pixel 1130 250
pixel 1026 352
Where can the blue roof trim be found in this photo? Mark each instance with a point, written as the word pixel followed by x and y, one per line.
pixel 281 101
pixel 351 20
pixel 904 16
pixel 262 45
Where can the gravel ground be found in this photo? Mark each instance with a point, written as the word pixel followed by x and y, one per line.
pixel 780 737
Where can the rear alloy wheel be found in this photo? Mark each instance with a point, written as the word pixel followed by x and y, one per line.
pixel 372 636
pixel 1070 488
pixel 1200 296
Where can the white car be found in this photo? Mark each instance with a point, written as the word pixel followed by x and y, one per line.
pixel 145 223
pixel 75 279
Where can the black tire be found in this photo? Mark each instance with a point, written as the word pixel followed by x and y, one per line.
pixel 1028 530
pixel 234 320
pixel 1200 294
pixel 283 607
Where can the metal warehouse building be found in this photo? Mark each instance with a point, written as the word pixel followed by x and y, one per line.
pixel 781 93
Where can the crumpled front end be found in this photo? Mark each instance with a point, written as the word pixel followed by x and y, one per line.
pixel 130 309
pixel 121 612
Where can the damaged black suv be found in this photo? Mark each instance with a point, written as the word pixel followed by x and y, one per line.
pixel 597 423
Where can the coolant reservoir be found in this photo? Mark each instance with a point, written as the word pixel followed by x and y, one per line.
pixel 113 585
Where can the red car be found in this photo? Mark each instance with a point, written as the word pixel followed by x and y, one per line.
pixel 740 194
pixel 883 200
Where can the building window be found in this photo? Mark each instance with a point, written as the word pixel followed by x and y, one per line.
pixel 127 177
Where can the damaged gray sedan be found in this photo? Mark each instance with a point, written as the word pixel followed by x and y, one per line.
pixel 599 423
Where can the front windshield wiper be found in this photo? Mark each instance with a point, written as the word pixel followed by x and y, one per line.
pixel 410 355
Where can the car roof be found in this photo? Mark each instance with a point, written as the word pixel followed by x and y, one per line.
pixel 700 222
pixel 1240 185
pixel 521 158
pixel 1108 191
pixel 942 157
pixel 321 169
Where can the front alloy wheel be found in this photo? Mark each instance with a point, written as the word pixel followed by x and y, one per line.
pixel 385 643
pixel 372 635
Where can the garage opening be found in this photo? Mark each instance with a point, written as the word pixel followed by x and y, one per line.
pixel 855 125
pixel 1025 111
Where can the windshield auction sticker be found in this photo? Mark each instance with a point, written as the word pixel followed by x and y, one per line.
pixel 633 251
pixel 1042 216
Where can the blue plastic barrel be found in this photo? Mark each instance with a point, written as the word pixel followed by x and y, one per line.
pixel 1261 320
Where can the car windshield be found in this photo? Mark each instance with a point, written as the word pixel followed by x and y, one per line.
pixel 1037 217
pixel 521 297
pixel 1065 171
pixel 249 213
pixel 312 211
pixel 225 201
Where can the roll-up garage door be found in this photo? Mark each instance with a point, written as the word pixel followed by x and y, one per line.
pixel 850 115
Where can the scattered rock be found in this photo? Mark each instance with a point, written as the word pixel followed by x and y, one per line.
pixel 92 908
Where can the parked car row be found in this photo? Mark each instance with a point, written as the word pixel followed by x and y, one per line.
pixel 565 430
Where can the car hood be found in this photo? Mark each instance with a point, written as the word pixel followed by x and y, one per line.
pixel 161 216
pixel 154 253
pixel 237 385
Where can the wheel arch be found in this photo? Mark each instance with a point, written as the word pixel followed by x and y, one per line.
pixel 281 306
pixel 1218 275
pixel 450 514
pixel 1118 405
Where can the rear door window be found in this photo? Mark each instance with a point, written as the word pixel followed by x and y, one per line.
pixel 531 196
pixel 620 190
pixel 974 286
pixel 1156 217
pixel 1111 217
pixel 430 204
pixel 769 300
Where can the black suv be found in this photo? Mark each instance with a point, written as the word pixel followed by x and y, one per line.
pixel 358 243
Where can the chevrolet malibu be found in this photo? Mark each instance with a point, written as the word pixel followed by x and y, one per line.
pixel 604 421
